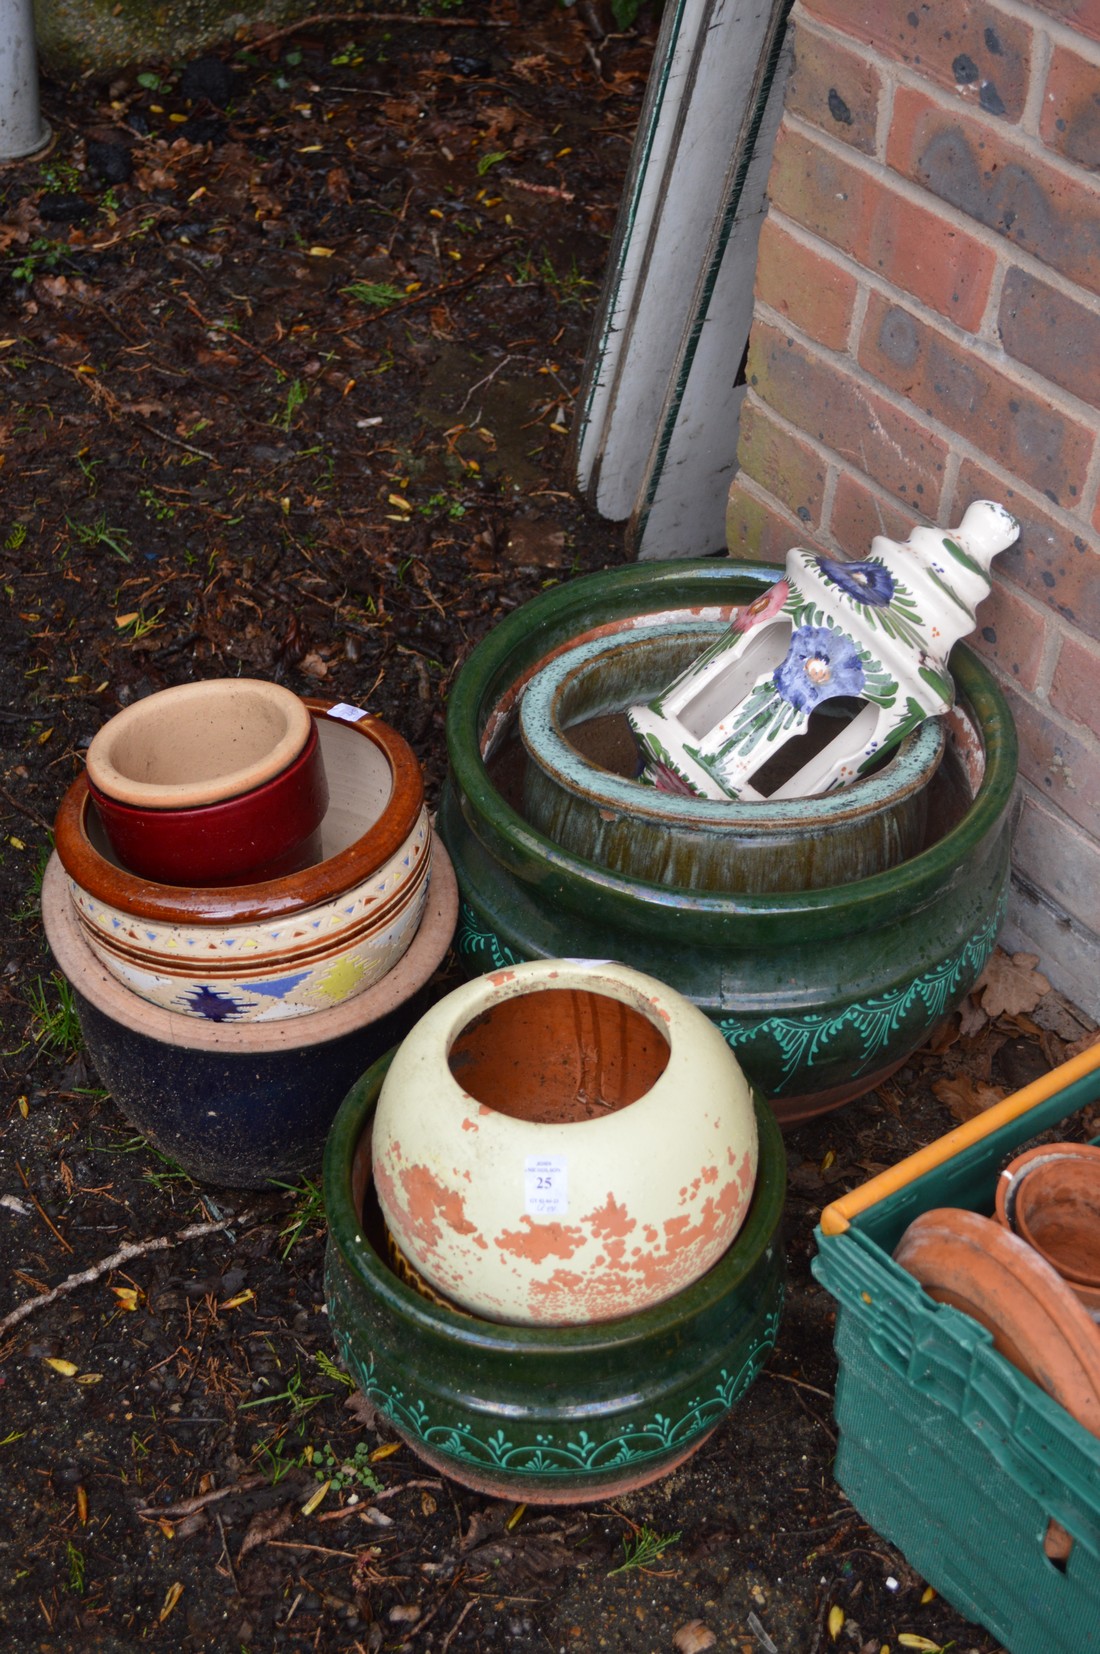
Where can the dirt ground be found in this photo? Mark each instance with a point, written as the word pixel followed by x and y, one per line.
pixel 288 347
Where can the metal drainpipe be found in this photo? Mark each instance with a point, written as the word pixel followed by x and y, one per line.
pixel 22 129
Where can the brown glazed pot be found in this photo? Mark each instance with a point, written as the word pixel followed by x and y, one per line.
pixel 374 824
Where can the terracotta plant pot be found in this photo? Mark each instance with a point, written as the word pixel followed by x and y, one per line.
pixel 563 1142
pixel 820 992
pixel 198 743
pixel 264 833
pixel 1050 1197
pixel 554 1415
pixel 978 1266
pixel 575 734
pixel 240 1104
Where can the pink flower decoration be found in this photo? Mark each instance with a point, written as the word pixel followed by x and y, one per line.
pixel 766 605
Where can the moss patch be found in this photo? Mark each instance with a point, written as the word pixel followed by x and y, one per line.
pixel 78 37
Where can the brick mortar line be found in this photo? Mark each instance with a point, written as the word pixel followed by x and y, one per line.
pixel 1041 57
pixel 916 195
pixel 958 452
pixel 756 491
pixel 985 348
pixel 895 73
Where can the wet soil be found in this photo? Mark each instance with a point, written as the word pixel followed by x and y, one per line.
pixel 289 341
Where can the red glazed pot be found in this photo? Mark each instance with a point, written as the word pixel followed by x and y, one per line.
pixel 377 808
pixel 269 831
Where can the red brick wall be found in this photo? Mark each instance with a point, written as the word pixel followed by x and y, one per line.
pixel 927 332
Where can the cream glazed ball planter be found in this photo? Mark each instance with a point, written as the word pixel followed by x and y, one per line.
pixel 563 1142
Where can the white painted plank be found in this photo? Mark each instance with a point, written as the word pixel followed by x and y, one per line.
pixel 719 90
pixel 681 505
pixel 658 127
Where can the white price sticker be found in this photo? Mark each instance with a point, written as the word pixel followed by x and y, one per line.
pixel 546 1186
pixel 350 714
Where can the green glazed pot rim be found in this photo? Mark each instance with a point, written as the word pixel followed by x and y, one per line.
pixel 346 1235
pixel 909 886
pixel 908 768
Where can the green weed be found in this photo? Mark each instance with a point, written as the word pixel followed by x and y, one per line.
pixel 100 533
pixel 55 1025
pixel 377 295
pixel 643 1548
pixel 296 398
pixel 75 1560
pixel 341 1473
pixel 332 1371
pixel 300 1403
pixel 163 510
pixel 309 1209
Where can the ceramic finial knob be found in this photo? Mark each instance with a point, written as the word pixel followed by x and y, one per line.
pixel 867 642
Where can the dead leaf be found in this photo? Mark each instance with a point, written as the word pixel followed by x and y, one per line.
pixel 265 1526
pixel 1011 983
pixel 972 1018
pixel 965 1096
pixel 364 1412
pixel 1085 1044
pixel 693 1638
pixel 314 665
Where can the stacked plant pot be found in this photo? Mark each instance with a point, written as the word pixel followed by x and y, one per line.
pixel 826 937
pixel 553 1255
pixel 247 900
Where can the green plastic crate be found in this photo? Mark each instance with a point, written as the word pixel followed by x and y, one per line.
pixel 944 1448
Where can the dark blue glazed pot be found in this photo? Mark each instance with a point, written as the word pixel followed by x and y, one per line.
pixel 240 1104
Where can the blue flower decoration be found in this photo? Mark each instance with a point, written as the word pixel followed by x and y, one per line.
pixel 820 663
pixel 870 583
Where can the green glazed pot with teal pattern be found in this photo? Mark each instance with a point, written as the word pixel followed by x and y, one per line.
pixel 822 993
pixel 548 1415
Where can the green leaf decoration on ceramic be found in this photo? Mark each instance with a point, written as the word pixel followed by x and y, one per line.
pixel 480 945
pixel 800 1042
pixel 544 1454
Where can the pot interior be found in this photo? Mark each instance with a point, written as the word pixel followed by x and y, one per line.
pixel 360 784
pixel 229 733
pixel 602 736
pixel 559 1056
pixel 1057 1211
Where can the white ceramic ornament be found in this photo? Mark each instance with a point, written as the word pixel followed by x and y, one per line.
pixel 877 633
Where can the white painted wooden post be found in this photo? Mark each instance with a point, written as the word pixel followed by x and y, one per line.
pixel 701 123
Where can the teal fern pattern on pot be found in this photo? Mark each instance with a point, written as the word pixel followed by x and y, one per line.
pixel 802 1041
pixel 545 1453
pixel 483 947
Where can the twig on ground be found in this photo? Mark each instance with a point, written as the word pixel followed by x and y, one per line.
pixel 453 1632
pixel 443 289
pixel 16 804
pixel 132 1249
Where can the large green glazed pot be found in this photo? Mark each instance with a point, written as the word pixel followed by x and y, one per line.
pixel 550 1415
pixel 820 992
